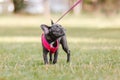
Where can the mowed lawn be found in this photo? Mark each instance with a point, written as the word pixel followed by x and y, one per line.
pixel 95 53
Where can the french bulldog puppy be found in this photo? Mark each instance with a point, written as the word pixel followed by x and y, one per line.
pixel 51 38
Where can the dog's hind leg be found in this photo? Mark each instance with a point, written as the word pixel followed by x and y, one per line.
pixel 63 42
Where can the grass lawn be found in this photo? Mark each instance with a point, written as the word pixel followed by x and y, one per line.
pixel 95 53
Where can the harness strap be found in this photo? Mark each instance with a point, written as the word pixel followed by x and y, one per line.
pixel 50 48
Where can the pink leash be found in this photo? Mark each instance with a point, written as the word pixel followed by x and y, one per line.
pixel 75 4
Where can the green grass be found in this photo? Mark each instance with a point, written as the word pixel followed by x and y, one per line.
pixel 95 55
pixel 23 61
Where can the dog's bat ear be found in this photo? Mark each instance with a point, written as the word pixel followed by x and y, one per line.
pixel 52 22
pixel 45 28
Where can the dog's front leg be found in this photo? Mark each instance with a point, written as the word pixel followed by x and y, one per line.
pixel 55 57
pixel 45 52
pixel 63 42
pixel 50 60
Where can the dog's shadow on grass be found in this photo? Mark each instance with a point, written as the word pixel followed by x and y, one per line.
pixel 37 63
pixel 41 63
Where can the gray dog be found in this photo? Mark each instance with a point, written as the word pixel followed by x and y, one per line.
pixel 51 38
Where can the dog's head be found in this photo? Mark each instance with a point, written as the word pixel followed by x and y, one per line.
pixel 54 32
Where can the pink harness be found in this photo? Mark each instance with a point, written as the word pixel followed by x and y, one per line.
pixel 50 48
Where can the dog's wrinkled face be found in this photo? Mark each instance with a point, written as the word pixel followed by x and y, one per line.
pixel 55 31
